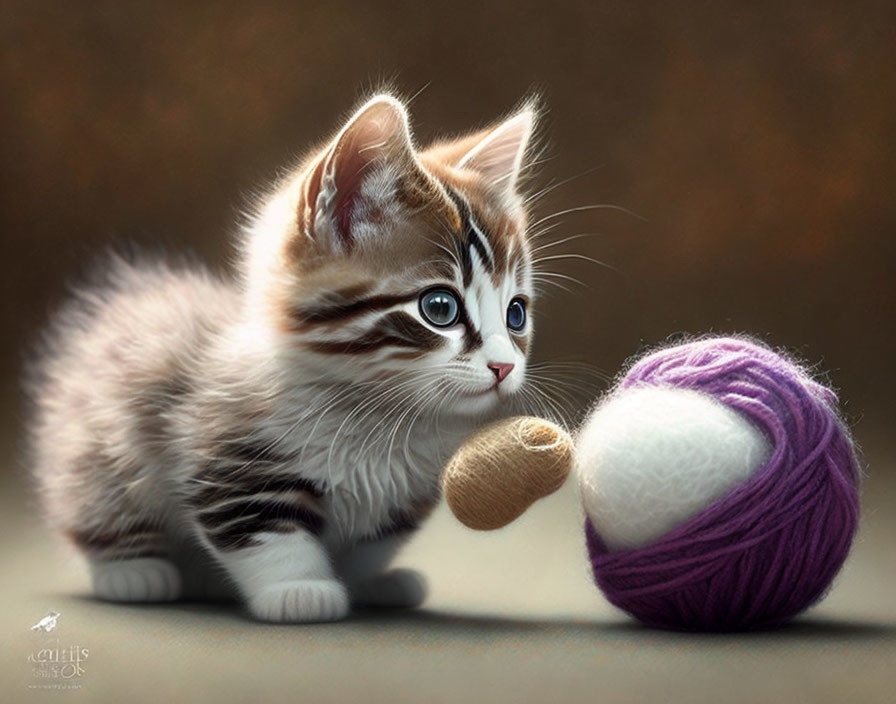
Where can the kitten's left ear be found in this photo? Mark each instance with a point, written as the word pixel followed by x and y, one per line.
pixel 497 154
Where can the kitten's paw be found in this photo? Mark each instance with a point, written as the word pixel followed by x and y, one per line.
pixel 142 579
pixel 301 601
pixel 396 589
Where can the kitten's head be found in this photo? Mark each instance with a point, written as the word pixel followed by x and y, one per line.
pixel 377 262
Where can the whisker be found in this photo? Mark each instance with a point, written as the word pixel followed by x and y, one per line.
pixel 556 243
pixel 552 186
pixel 539 276
pixel 582 257
pixel 535 235
pixel 581 208
pixel 555 284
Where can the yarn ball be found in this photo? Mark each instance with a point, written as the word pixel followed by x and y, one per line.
pixel 720 487
pixel 504 468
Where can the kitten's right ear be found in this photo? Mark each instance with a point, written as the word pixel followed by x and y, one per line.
pixel 353 183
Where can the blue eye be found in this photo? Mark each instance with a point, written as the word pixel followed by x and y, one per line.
pixel 440 307
pixel 516 314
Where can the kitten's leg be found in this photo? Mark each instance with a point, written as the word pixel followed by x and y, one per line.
pixel 364 570
pixel 128 563
pixel 135 580
pixel 204 578
pixel 265 533
pixel 287 578
pixel 364 566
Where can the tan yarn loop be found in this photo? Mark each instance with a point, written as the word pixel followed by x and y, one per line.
pixel 503 469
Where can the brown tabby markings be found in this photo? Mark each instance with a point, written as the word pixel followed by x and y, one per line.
pixel 140 539
pixel 235 526
pixel 396 329
pixel 421 194
pixel 470 237
pixel 248 489
pixel 444 211
pixel 473 338
pixel 307 317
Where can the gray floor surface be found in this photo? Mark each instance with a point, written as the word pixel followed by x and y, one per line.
pixel 512 616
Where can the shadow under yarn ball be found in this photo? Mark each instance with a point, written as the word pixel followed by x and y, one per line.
pixel 731 507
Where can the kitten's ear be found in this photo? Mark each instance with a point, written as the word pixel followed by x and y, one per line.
pixel 355 179
pixel 497 153
pixel 499 156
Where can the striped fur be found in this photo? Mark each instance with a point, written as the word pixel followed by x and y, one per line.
pixel 247 490
pixel 292 421
pixel 138 539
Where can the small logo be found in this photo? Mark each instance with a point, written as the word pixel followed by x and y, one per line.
pixel 55 664
pixel 47 623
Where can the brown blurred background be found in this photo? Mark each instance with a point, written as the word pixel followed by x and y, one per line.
pixel 756 141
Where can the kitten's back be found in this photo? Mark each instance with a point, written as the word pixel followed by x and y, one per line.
pixel 116 358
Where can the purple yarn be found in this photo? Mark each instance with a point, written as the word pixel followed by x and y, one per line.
pixel 771 547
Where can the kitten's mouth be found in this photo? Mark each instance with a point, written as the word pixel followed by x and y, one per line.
pixel 493 389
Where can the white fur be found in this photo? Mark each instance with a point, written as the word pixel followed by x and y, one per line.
pixel 649 458
pixel 288 578
pixel 300 601
pixel 376 202
pixel 487 307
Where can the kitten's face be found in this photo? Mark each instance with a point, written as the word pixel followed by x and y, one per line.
pixel 410 271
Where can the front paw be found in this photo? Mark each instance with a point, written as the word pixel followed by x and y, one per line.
pixel 301 601
pixel 396 589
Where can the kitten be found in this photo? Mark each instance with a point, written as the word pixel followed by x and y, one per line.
pixel 292 423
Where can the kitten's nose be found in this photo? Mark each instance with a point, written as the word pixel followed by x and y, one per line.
pixel 501 369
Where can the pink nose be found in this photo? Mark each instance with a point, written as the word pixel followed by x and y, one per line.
pixel 501 369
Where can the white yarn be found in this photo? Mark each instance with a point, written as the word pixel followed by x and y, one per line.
pixel 649 458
